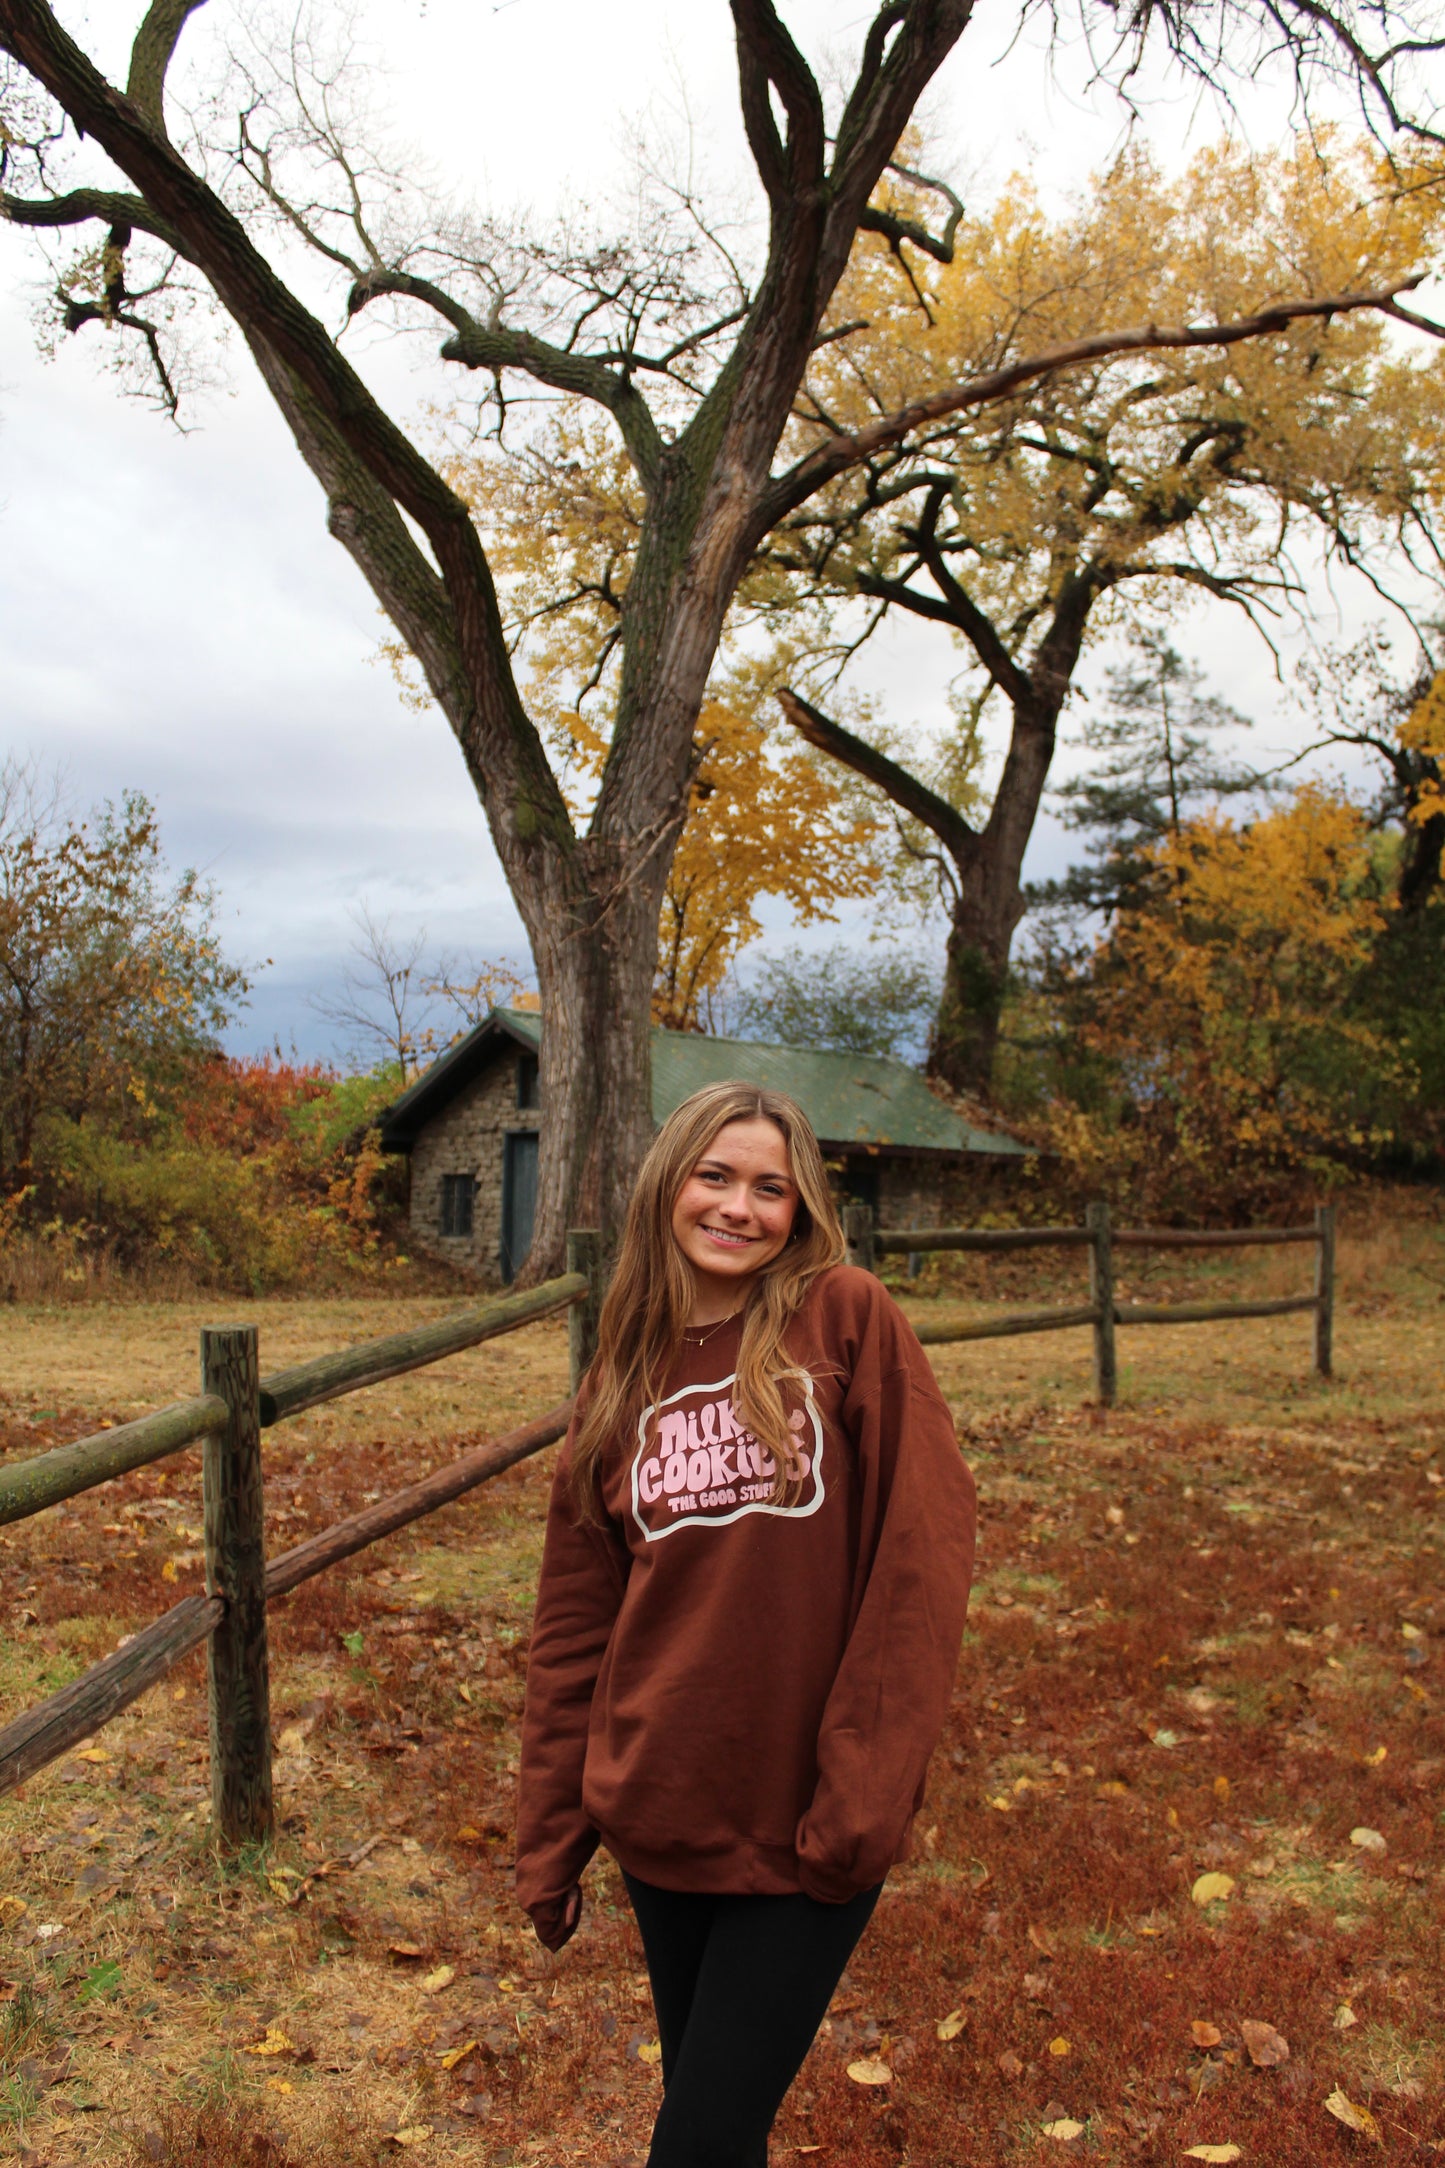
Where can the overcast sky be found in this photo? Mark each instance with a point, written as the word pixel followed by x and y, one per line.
pixel 174 617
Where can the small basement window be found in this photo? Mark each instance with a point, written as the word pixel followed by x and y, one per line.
pixel 527 1093
pixel 458 1191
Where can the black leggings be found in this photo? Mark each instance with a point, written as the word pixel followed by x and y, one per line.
pixel 741 1985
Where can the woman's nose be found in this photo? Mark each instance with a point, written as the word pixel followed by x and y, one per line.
pixel 735 1204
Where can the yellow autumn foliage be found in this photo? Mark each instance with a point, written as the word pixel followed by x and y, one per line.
pixel 1222 1008
pixel 1137 479
pixel 1423 731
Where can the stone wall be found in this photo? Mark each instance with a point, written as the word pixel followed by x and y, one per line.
pixel 929 1191
pixel 466 1138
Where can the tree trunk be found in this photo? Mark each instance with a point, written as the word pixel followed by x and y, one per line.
pixel 988 909
pixel 1424 849
pixel 594 974
pixel 964 1041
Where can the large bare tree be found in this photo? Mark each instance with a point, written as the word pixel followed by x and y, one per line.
pixel 697 360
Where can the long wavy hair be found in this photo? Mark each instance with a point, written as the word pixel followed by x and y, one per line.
pixel 639 1332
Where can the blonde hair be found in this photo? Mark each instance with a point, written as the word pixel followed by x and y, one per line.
pixel 646 1307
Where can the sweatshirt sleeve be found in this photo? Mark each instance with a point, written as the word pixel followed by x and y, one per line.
pixel 892 1690
pixel 584 1575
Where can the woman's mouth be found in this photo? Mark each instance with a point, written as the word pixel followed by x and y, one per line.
pixel 721 1234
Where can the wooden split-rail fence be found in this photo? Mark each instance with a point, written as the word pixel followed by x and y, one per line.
pixel 233 1407
pixel 1103 1312
pixel 236 1404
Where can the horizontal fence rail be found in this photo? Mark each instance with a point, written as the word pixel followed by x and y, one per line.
pixel 936 1332
pixel 1211 1238
pixel 50 1478
pixel 1209 1313
pixel 290 1392
pixel 1103 1312
pixel 44 1733
pixel 917 1240
pixel 230 1618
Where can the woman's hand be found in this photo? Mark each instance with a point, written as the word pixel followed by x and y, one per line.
pixel 556 1923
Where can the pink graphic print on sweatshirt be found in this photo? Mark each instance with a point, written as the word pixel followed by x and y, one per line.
pixel 697 1464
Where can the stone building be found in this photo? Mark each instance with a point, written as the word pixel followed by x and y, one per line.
pixel 470 1126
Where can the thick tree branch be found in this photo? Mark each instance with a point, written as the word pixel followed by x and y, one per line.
pixel 150 56
pixel 900 596
pixel 896 229
pixel 82 204
pixel 952 830
pixel 769 60
pixel 485 346
pixel 965 613
pixel 888 88
pixel 842 452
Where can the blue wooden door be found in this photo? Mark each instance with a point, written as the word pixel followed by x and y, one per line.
pixel 519 1197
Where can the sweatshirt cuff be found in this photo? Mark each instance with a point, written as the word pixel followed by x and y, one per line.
pixel 820 1876
pixel 556 1919
pixel 825 1884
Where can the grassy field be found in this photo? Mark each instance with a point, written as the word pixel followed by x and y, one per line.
pixel 1205 1640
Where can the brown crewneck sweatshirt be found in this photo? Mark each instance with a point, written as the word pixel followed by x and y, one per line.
pixel 738 1696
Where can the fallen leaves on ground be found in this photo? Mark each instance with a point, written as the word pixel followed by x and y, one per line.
pixel 275 2043
pixel 1266 2046
pixel 1353 2117
pixel 869 2070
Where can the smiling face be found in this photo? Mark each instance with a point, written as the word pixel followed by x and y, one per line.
pixel 734 1214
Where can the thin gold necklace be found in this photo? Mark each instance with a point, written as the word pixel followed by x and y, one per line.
pixel 702 1331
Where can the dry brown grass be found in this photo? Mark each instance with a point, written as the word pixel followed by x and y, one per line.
pixel 1187 1652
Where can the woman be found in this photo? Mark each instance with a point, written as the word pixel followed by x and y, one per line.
pixel 752 1597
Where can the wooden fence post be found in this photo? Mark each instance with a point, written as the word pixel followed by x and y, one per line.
pixel 584 1254
pixel 858 1227
pixel 237 1663
pixel 1101 1295
pixel 1325 1290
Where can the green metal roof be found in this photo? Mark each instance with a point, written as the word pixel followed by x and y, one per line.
pixel 865 1099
